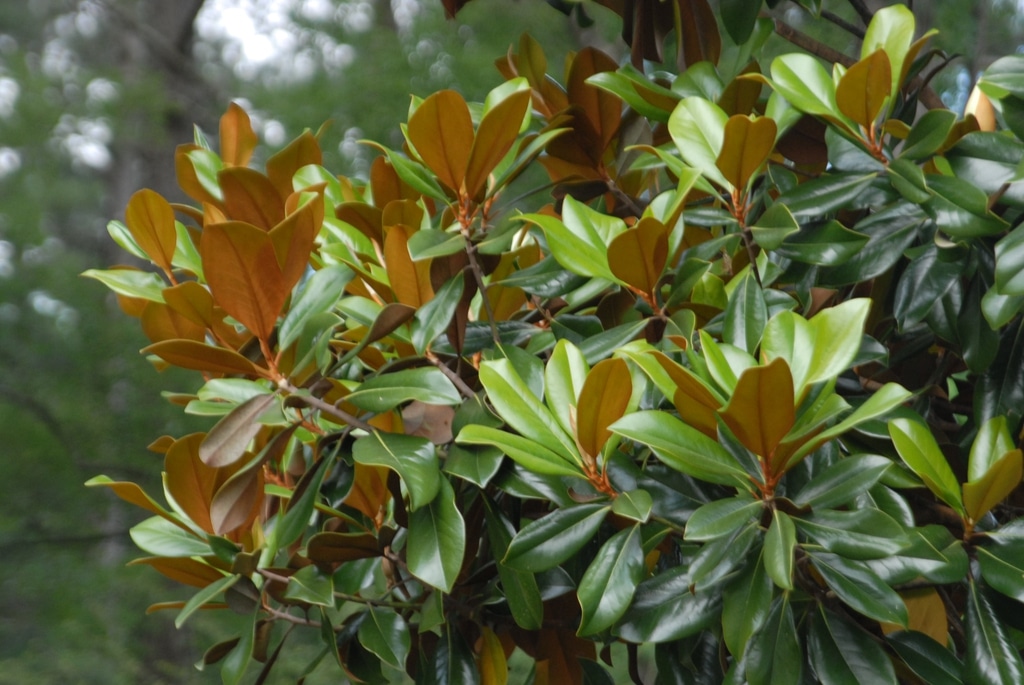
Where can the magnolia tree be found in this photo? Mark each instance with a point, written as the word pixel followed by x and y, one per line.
pixel 736 397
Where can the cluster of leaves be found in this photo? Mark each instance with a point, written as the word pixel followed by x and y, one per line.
pixel 747 393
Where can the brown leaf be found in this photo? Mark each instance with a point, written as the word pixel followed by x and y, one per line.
pixel 293 240
pixel 696 405
pixel 150 220
pixel 410 281
pixel 760 411
pixel 244 274
pixel 602 110
pixel 441 131
pixel 249 196
pixel 494 138
pixel 369 493
pixel 184 570
pixel 236 502
pixel 746 144
pixel 161 322
pixel 190 354
pixel 638 255
pixel 190 481
pixel 237 139
pixel 192 301
pixel 330 548
pixel 864 88
pixel 603 400
pixel 301 152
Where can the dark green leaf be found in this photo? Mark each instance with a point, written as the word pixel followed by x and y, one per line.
pixel 722 517
pixel 664 609
pixel 478 466
pixel 1002 566
pixel 746 315
pixel 609 582
pixel 520 587
pixel 841 653
pixel 858 534
pixel 437 540
pixel 433 318
pixel 890 232
pixel 549 541
pixel 779 545
pixel 929 660
pixel 924 282
pixel 861 589
pixel 842 481
pixel 411 457
pixel 813 199
pixel 739 17
pixel 774 655
pixel 823 244
pixel 317 295
pixel 745 605
pixel 385 633
pixel 991 657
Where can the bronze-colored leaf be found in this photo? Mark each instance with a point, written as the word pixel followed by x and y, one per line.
pixel 189 480
pixel 187 178
pixel 244 274
pixel 999 481
pixel 746 144
pixel 369 493
pixel 760 412
pixel 302 151
pixel 441 131
pixel 405 212
pixel 696 405
pixel 150 220
pixel 133 494
pixel 161 322
pixel 410 281
pixel 365 218
pixel 330 549
pixel 236 502
pixel 603 400
pixel 237 139
pixel 864 88
pixel 638 255
pixel 293 241
pixel 742 94
pixel 192 301
pixel 602 110
pixel 249 196
pixel 385 185
pixel 184 570
pixel 494 138
pixel 926 612
pixel 697 24
pixel 197 356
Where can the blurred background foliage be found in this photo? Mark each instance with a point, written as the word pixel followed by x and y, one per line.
pixel 94 95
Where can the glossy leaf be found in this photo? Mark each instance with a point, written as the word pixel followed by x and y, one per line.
pixel 745 605
pixel 760 411
pixel 318 295
pixel 892 31
pixel 494 138
pixel 774 655
pixel 664 609
pixel 530 454
pixel 603 400
pixel 237 139
pixel 864 89
pixel 204 596
pixel 432 319
pixel 1002 566
pixel 745 315
pixel 929 660
pixel 564 376
pixel 388 390
pixel 130 282
pixel 841 653
pixel 638 256
pixel 437 540
pixel 548 541
pixel 160 537
pixel 697 127
pixel 842 481
pixel 681 447
pixel 861 590
pixel 385 633
pixel 412 458
pixel 991 657
pixel 1003 476
pixel 746 144
pixel 235 502
pixel 441 131
pixel 918 449
pixel 825 244
pixel 610 581
pixel 722 517
pixel 779 546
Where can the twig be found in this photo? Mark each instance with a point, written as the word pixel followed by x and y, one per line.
pixel 456 380
pixel 317 403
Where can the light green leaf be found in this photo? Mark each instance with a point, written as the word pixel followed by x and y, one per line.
pixel 203 596
pixel 386 391
pixel 722 517
pixel 529 454
pixel 162 538
pixel 918 448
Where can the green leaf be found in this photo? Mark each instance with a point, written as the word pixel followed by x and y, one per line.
pixel 811 200
pixel 427 244
pixel 1010 263
pixel 385 633
pixel 890 231
pixel 774 226
pixel 1004 77
pixel 924 282
pixel 745 316
pixel 664 609
pixel 842 482
pixel 319 294
pixel 960 209
pixel 478 466
pixel 803 81
pixel 841 653
pixel 386 391
pixel 745 605
pixel 918 448
pixel 635 505
pixel 697 127
pixel 131 282
pixel 437 540
pixel 928 134
pixel 578 243
pixel 859 534
pixel 774 655
pixel 205 595
pixel 609 583
pixel 564 375
pixel 520 587
pixel 237 661
pixel 548 541
pixel 930 661
pixel 722 517
pixel 162 538
pixel 310 584
pixel 523 411
pixel 892 30
pixel 860 589
pixel 527 453
pixel 779 545
pixel 991 657
pixel 739 17
pixel 823 244
pixel 1002 567
pixel 433 318
pixel 1002 478
pixel 681 447
pixel 412 458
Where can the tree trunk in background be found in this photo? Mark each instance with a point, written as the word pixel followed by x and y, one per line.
pixel 155 45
